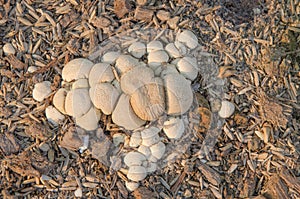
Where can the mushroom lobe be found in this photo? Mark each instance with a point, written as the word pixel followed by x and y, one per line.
pixel 148 101
pixel 59 100
pixel 100 72
pixel 124 116
pixel 89 121
pixel 134 158
pixel 136 78
pixel 78 102
pixel 77 69
pixel 179 94
pixel 136 173
pixel 104 97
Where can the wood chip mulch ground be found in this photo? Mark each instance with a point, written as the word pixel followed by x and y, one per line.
pixel 256 47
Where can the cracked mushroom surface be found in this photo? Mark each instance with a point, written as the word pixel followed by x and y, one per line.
pixel 145 81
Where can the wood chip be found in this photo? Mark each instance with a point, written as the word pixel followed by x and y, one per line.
pixel 28 164
pixel 144 193
pixel 143 14
pixel 121 8
pixel 210 174
pixel 15 62
pixel 8 144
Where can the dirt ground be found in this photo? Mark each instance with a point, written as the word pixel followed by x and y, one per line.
pixel 255 45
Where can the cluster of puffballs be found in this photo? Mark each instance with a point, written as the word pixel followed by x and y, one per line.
pixel 136 87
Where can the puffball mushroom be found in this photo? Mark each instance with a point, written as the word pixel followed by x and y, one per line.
pixel 227 109
pixel 135 139
pixel 144 150
pixel 176 49
pixel 136 173
pixel 89 121
pixel 179 94
pixel 158 150
pixel 59 100
pixel 53 115
pixel 187 66
pixel 104 96
pixel 78 102
pixel 124 116
pixel 134 159
pixel 188 38
pixel 156 58
pixel 131 186
pixel 137 49
pixel 152 167
pixel 41 91
pixel 80 83
pixel 101 72
pixel 150 136
pixel 110 57
pixel 174 127
pixel 77 69
pixel 148 101
pixel 136 78
pixel 169 69
pixel 154 46
pixel 125 63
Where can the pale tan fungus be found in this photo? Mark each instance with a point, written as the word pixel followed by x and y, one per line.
pixel 77 69
pixel 104 96
pixel 78 102
pixel 148 101
pixel 59 100
pixel 101 72
pixel 136 78
pixel 124 116
pixel 179 94
pixel 89 121
pixel 125 63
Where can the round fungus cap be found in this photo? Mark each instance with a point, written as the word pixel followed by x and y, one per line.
pixel 104 97
pixel 188 38
pixel 156 58
pixel 135 139
pixel 78 102
pixel 124 116
pixel 187 66
pixel 174 127
pixel 125 63
pixel 179 94
pixel 136 173
pixel 110 57
pixel 59 100
pixel 136 78
pixel 80 83
pixel 154 46
pixel 148 101
pixel 158 150
pixel 131 186
pixel 227 109
pixel 169 69
pixel 101 72
pixel 89 121
pixel 150 136
pixel 77 69
pixel 41 91
pixel 174 51
pixel 144 150
pixel 134 158
pixel 53 115
pixel 137 49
